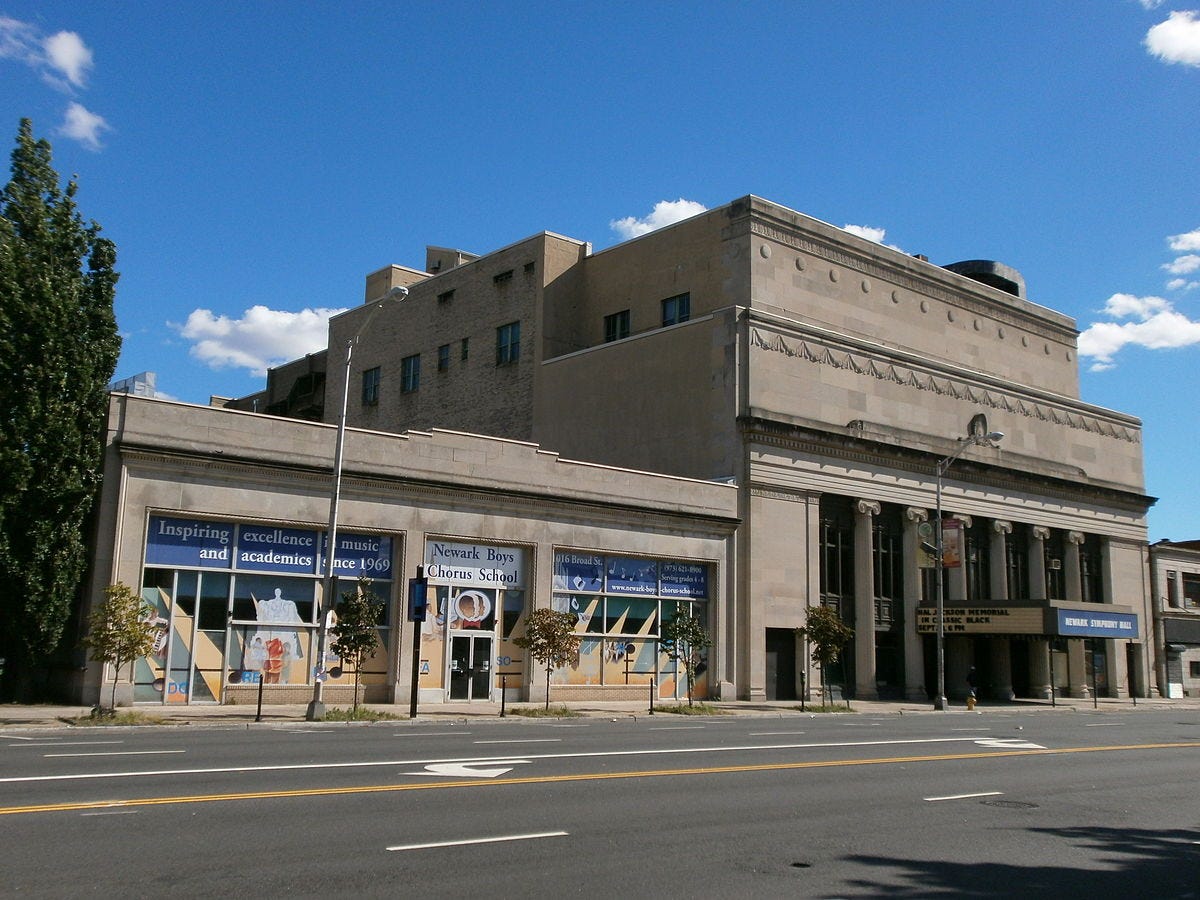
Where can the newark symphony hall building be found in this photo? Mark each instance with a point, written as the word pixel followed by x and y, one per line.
pixel 746 412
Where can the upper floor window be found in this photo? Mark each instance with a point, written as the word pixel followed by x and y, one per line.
pixel 1191 590
pixel 443 357
pixel 466 348
pixel 370 386
pixel 446 296
pixel 676 309
pixel 616 326
pixel 502 277
pixel 410 373
pixel 508 343
pixel 1091 572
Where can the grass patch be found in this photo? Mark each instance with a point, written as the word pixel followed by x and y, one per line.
pixel 105 717
pixel 695 709
pixel 825 708
pixel 358 714
pixel 541 712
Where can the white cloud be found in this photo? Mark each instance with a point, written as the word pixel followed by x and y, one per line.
pixel 1177 40
pixel 1183 265
pixel 66 53
pixel 666 212
pixel 871 233
pixel 261 338
pixel 1151 4
pixel 62 59
pixel 1159 327
pixel 1182 284
pixel 1182 243
pixel 84 126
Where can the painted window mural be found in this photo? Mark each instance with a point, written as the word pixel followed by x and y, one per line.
pixel 236 603
pixel 622 602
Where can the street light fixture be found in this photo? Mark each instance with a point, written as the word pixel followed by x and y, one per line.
pixel 984 440
pixel 316 706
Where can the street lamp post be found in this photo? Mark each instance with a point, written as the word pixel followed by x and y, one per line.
pixel 943 465
pixel 316 706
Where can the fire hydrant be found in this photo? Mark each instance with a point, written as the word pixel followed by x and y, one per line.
pixel 970 701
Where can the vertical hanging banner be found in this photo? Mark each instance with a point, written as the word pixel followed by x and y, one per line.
pixel 952 543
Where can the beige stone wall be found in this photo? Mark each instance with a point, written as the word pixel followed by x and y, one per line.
pixel 821 275
pixel 660 401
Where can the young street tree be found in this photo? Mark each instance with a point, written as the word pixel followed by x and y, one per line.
pixel 684 639
pixel 119 630
pixel 550 638
pixel 357 630
pixel 58 350
pixel 828 634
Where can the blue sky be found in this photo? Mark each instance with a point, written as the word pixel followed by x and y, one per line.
pixel 254 161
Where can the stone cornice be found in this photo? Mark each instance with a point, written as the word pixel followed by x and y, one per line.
pixel 813 350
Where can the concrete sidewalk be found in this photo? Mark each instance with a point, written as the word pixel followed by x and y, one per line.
pixel 18 716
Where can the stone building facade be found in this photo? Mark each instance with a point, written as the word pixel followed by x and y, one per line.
pixel 828 378
pixel 1175 583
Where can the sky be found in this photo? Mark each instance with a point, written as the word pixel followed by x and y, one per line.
pixel 254 161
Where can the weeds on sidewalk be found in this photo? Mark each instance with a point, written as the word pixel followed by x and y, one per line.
pixel 825 708
pixel 104 717
pixel 358 714
pixel 695 709
pixel 539 712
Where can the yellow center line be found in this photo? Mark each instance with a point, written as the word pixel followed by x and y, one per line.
pixel 559 779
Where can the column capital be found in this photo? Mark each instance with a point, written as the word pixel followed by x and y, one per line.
pixel 1076 537
pixel 1000 526
pixel 916 514
pixel 868 507
pixel 1039 533
pixel 965 519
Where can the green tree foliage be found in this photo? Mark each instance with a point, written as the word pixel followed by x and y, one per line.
pixel 828 634
pixel 550 638
pixel 357 631
pixel 684 639
pixel 58 350
pixel 119 630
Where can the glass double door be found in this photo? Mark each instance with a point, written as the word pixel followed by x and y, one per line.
pixel 471 667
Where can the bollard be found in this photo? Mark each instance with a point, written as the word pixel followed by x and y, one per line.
pixel 503 693
pixel 652 692
pixel 258 715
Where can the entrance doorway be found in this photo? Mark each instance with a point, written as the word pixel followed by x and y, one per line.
pixel 470 667
pixel 781 664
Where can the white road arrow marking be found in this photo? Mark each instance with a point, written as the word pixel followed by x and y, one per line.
pixel 1008 744
pixel 467 770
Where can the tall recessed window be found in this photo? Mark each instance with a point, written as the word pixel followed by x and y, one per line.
pixel 676 309
pixel 508 343
pixel 466 349
pixel 616 326
pixel 410 373
pixel 370 386
pixel 443 357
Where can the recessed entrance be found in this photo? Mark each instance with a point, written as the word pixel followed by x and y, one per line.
pixel 470 667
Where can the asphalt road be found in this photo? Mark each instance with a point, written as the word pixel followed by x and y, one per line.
pixel 994 805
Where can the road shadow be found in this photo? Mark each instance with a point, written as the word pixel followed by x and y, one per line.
pixel 1136 863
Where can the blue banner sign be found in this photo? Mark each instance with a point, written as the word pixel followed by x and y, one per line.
pixel 368 555
pixel 196 543
pixel 683 579
pixel 1098 624
pixel 575 571
pixel 189 542
pixel 265 548
pixel 627 575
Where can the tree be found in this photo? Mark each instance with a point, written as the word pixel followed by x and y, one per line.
pixel 684 639
pixel 828 634
pixel 357 630
pixel 550 638
pixel 120 630
pixel 58 350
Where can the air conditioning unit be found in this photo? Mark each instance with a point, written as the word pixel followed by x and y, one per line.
pixel 1055 565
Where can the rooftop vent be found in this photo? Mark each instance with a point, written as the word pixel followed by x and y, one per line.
pixel 991 273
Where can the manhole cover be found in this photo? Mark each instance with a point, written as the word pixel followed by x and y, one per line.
pixel 1009 804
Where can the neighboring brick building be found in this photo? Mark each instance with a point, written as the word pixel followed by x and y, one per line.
pixel 1175 583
